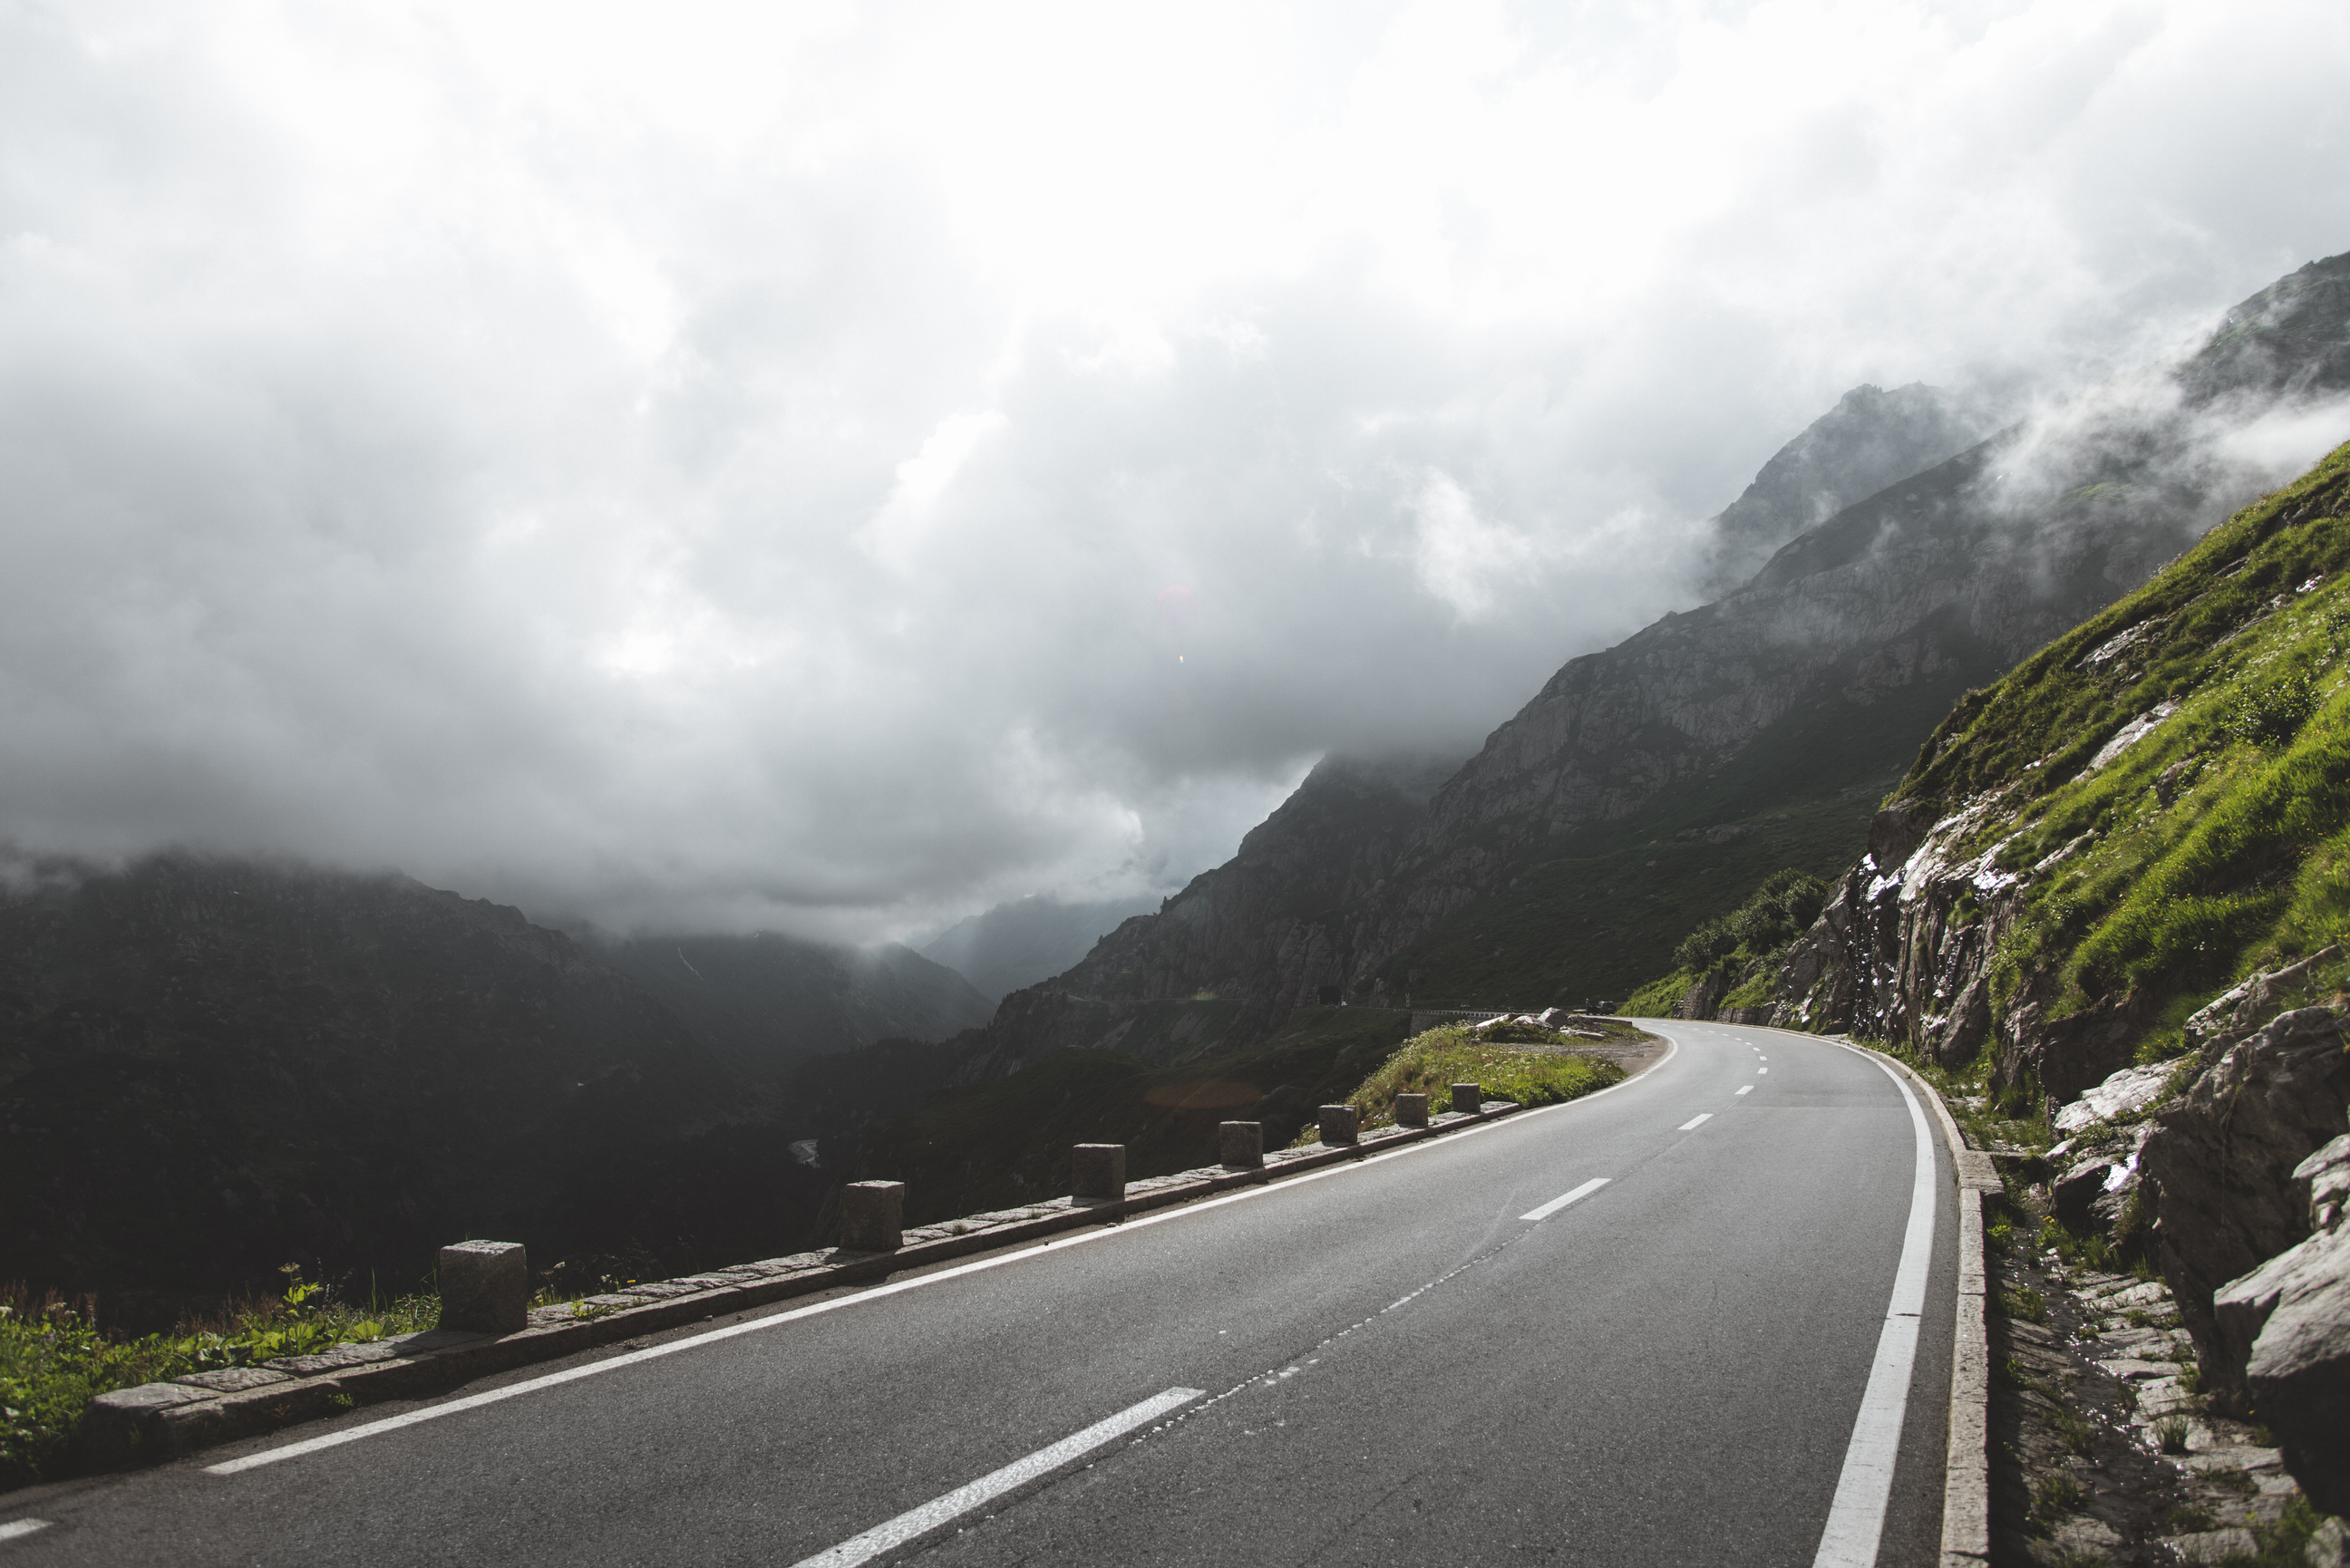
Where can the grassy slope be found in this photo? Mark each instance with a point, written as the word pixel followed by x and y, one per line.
pixel 988 1146
pixel 2250 863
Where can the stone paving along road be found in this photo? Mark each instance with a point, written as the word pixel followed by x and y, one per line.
pixel 1637 1329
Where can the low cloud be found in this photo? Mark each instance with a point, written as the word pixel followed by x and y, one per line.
pixel 727 468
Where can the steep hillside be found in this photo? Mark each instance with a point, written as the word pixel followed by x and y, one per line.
pixel 2138 813
pixel 765 1002
pixel 1030 939
pixel 209 1068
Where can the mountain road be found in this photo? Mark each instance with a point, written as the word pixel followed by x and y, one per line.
pixel 1701 1318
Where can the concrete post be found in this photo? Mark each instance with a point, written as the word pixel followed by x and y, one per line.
pixel 873 1216
pixel 1411 1110
pixel 1468 1097
pixel 1338 1124
pixel 1099 1173
pixel 1244 1145
pixel 485 1287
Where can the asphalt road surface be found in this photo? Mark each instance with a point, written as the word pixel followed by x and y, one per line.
pixel 1712 1353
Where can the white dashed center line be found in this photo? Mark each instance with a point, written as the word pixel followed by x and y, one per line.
pixel 1694 1121
pixel 1745 1089
pixel 16 1527
pixel 1555 1204
pixel 918 1523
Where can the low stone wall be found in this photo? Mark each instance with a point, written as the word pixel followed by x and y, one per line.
pixel 157 1421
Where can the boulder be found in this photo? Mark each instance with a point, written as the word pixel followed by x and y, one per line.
pixel 2223 1159
pixel 2094 1194
pixel 2130 1090
pixel 2252 1002
pixel 2289 1321
pixel 1895 833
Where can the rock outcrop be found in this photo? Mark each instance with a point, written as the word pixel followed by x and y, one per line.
pixel 2290 1318
pixel 2223 1159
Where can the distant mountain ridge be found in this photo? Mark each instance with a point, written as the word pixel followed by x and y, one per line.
pixel 765 1002
pixel 1870 440
pixel 210 1068
pixel 1029 940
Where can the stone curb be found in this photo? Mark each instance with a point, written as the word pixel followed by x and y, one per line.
pixel 1966 1480
pixel 156 1421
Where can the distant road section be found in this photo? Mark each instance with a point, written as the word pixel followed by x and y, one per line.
pixel 1703 1318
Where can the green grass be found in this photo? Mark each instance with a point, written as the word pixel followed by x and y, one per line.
pixel 2055 1495
pixel 2218 843
pixel 2245 866
pixel 1431 1064
pixel 54 1360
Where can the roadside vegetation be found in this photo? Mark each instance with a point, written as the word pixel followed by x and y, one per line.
pixel 1737 955
pixel 1518 1062
pixel 55 1359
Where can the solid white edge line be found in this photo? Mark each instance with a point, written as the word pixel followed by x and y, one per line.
pixel 20 1527
pixel 1856 1517
pixel 920 1522
pixel 1078 1238
pixel 1695 1122
pixel 1555 1204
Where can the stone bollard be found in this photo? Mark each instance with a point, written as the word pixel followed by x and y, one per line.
pixel 1468 1097
pixel 1411 1110
pixel 1338 1124
pixel 1098 1173
pixel 1244 1145
pixel 485 1287
pixel 873 1216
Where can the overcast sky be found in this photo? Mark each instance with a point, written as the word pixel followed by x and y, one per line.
pixel 832 468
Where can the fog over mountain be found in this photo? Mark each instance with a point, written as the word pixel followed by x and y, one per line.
pixel 833 471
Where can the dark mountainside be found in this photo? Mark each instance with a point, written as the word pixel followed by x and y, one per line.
pixel 1030 939
pixel 211 1068
pixel 1871 439
pixel 1647 786
pixel 973 1147
pixel 764 1003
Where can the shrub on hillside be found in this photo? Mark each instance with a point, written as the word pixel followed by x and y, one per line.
pixel 2273 714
